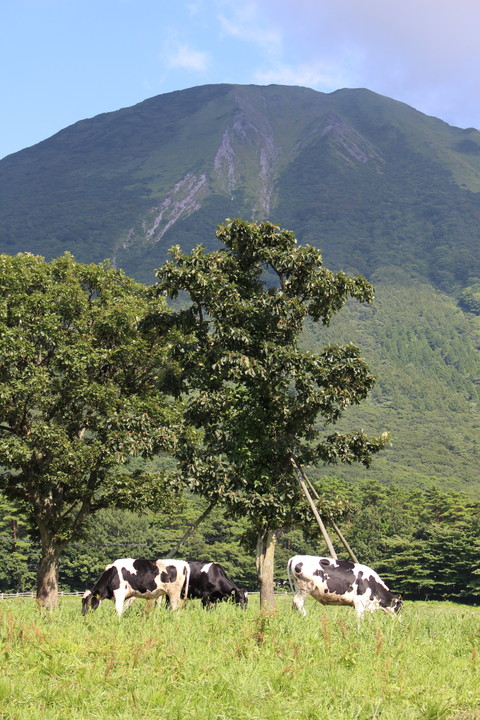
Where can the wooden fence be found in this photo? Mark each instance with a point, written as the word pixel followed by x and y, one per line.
pixel 7 596
pixel 79 593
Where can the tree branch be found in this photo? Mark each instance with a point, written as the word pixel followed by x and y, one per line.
pixel 191 529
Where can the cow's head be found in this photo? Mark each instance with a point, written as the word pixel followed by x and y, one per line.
pixel 396 604
pixel 90 601
pixel 241 598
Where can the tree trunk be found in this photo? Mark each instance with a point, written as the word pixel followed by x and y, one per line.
pixel 265 567
pixel 14 535
pixel 47 574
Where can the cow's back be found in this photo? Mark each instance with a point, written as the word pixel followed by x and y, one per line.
pixel 140 574
pixel 200 578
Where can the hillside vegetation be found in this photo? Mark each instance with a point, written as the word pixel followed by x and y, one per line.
pixel 381 188
pixel 424 353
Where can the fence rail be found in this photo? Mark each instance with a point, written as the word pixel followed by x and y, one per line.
pixel 79 593
pixel 7 596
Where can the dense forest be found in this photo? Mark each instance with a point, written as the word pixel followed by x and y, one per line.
pixel 423 351
pixel 425 543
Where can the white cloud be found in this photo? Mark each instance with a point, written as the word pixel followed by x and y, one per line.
pixel 424 52
pixel 246 23
pixel 187 58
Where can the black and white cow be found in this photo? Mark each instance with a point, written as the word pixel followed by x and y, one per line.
pixel 209 581
pixel 127 579
pixel 339 582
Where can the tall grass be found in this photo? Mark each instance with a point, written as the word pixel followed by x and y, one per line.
pixel 234 665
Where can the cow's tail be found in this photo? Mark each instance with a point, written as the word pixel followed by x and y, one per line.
pixel 186 572
pixel 289 574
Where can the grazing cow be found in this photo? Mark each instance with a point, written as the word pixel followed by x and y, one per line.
pixel 209 581
pixel 340 582
pixel 125 580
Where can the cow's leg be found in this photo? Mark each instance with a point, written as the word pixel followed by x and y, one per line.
pixel 363 603
pixel 298 601
pixel 119 600
pixel 360 608
pixel 208 601
pixel 128 603
pixel 174 597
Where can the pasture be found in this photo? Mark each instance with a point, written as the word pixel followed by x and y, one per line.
pixel 232 665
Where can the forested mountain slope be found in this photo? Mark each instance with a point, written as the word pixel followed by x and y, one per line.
pixel 381 188
pixel 424 352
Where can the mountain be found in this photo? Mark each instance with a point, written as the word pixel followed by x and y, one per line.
pixel 371 180
pixel 381 188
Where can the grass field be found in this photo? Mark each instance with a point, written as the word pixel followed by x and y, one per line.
pixel 232 665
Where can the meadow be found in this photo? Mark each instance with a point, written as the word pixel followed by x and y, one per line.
pixel 228 664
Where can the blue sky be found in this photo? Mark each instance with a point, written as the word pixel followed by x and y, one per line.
pixel 66 60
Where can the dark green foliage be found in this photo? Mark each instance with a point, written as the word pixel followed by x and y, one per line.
pixel 440 559
pixel 424 543
pixel 469 299
pixel 18 556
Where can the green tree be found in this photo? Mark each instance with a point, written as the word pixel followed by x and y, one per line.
pixel 438 562
pixel 254 396
pixel 469 298
pixel 80 393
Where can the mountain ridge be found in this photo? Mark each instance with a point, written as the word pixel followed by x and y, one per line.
pixel 381 188
pixel 121 183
